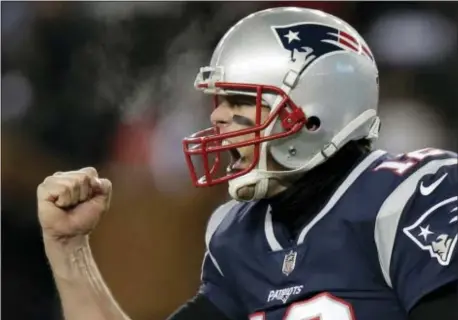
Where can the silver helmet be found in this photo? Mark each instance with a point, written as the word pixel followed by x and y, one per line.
pixel 315 73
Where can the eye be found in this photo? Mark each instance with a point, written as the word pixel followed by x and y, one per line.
pixel 244 121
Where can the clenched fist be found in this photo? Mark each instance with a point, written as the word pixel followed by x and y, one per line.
pixel 71 203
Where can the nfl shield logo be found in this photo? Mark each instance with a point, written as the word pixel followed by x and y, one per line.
pixel 289 262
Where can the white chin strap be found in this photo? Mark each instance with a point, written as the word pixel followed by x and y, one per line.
pixel 259 177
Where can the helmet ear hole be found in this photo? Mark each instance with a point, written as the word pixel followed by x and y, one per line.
pixel 313 123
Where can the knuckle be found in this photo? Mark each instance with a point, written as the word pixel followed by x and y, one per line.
pixel 73 185
pixel 66 189
pixel 47 180
pixel 91 171
pixel 109 184
pixel 61 182
pixel 84 179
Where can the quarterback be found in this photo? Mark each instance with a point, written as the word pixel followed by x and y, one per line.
pixel 320 225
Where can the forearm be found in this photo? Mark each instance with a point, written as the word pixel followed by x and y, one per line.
pixel 83 293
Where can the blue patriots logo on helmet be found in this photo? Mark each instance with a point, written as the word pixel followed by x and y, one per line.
pixel 436 231
pixel 316 40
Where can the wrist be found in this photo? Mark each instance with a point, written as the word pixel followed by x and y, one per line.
pixel 68 258
pixel 64 243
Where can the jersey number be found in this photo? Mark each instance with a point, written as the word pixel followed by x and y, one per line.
pixel 321 307
pixel 410 159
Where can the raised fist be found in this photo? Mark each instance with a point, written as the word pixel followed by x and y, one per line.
pixel 71 203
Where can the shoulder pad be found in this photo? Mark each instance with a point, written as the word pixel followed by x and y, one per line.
pixel 216 218
pixel 435 165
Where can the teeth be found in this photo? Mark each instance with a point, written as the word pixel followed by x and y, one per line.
pixel 236 159
pixel 237 163
pixel 236 166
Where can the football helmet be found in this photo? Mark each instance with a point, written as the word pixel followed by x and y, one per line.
pixel 315 73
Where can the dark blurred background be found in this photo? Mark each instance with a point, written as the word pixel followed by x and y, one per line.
pixel 110 85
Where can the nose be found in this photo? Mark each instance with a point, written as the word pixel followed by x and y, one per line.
pixel 221 115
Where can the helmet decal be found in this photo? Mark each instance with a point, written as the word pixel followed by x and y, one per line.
pixel 313 41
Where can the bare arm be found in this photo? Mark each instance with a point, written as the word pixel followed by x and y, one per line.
pixel 70 204
pixel 83 293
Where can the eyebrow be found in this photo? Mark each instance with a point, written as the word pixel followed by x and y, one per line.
pixel 239 100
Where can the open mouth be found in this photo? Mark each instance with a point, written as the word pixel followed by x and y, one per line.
pixel 236 161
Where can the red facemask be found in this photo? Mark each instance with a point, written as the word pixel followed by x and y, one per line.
pixel 207 145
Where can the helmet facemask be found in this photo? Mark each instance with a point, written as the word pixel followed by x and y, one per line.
pixel 208 146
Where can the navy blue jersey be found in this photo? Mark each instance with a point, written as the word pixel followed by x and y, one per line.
pixel 386 238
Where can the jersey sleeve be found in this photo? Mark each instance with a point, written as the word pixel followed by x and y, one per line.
pixel 215 286
pixel 416 231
